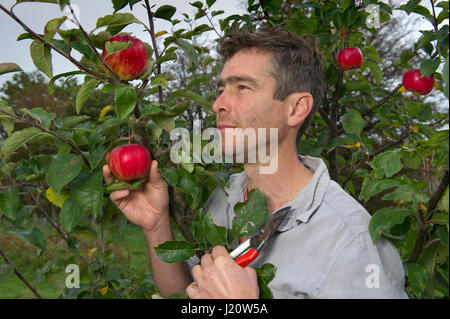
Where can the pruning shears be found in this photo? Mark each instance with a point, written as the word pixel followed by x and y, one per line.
pixel 246 252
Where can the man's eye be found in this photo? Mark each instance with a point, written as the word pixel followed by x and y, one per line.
pixel 243 87
pixel 219 91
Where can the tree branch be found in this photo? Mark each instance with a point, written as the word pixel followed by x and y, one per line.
pixel 432 204
pixel 155 47
pixel 20 276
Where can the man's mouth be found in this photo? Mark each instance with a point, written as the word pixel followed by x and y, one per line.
pixel 223 127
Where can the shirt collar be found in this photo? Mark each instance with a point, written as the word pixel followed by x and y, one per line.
pixel 304 205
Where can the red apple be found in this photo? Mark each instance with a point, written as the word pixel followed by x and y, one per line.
pixel 412 81
pixel 129 162
pixel 128 63
pixel 350 58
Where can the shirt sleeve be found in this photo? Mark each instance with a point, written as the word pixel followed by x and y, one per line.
pixel 366 270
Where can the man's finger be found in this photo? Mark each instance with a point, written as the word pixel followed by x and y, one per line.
pixel 220 251
pixel 197 272
pixel 207 260
pixel 155 177
pixel 109 178
pixel 192 290
pixel 118 195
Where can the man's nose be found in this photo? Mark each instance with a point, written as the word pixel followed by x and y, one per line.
pixel 221 104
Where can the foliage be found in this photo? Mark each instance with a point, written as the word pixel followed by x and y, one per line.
pixel 385 147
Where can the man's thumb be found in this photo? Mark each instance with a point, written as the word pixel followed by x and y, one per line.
pixel 155 176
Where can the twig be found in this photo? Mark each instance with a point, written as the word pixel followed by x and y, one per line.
pixel 20 276
pixel 266 13
pixel 155 47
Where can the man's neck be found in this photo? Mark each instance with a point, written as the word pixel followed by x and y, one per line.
pixel 284 184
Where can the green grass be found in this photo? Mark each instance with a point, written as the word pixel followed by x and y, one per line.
pixel 131 251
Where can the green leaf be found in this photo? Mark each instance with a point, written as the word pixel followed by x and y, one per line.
pixel 10 202
pixel 197 228
pixel 357 86
pixel 191 53
pixel 170 175
pixel 439 138
pixel 87 191
pixel 114 186
pixel 63 170
pixel 18 139
pixel 385 219
pixel 387 164
pixel 42 57
pixel 117 20
pixel 84 93
pixel 376 71
pixel 216 235
pixel 35 237
pixel 352 122
pixel 52 26
pixel 165 12
pixel 406 194
pixel 429 66
pixel 197 80
pixel 41 115
pixel 250 215
pixel 372 187
pixel 115 46
pixel 9 67
pixel 126 100
pixel 197 4
pixel 70 214
pixel 417 277
pixel 210 3
pixel 51 83
pixel 175 251
pixel 200 100
pixel 411 5
pixel 445 76
pixel 265 275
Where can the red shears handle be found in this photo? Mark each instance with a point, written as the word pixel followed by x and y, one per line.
pixel 247 258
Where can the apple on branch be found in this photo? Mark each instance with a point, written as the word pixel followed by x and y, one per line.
pixel 412 81
pixel 350 58
pixel 125 55
pixel 130 164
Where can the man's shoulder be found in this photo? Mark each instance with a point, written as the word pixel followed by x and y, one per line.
pixel 340 205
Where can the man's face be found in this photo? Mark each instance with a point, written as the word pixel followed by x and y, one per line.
pixel 245 100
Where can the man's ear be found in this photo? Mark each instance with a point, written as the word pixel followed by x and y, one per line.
pixel 299 107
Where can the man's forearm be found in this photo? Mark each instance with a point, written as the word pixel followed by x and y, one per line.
pixel 169 278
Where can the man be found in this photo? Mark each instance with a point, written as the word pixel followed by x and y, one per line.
pixel 274 79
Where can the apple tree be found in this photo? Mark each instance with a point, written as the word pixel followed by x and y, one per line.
pixel 383 145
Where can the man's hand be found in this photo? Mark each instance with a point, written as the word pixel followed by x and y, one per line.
pixel 220 277
pixel 146 207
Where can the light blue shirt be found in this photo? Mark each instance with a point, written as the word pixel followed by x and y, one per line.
pixel 323 248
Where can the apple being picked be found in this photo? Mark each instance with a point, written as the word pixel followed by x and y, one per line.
pixel 412 81
pixel 129 162
pixel 127 62
pixel 350 58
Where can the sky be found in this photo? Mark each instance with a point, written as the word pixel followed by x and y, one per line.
pixel 35 15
